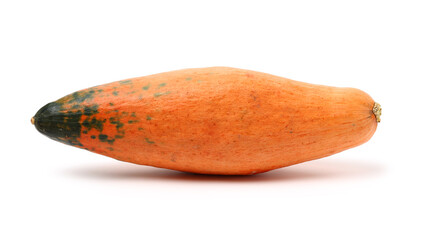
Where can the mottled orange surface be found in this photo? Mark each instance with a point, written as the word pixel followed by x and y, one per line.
pixel 218 120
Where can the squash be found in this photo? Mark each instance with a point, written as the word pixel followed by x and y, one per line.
pixel 215 120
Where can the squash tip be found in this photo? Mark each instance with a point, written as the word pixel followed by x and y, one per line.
pixel 377 110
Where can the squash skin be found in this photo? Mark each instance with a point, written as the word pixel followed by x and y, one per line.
pixel 214 120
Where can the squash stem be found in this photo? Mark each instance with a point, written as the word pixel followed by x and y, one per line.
pixel 32 120
pixel 377 110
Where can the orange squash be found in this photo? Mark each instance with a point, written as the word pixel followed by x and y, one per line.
pixel 214 120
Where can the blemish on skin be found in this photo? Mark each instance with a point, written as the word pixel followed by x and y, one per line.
pixel 140 129
pixel 115 93
pixel 188 79
pixel 149 117
pixel 161 85
pixel 146 87
pixel 149 141
pixel 243 113
pixel 161 94
pixel 291 132
pixel 133 114
pixel 111 104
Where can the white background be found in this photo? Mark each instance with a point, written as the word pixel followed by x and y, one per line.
pixel 380 190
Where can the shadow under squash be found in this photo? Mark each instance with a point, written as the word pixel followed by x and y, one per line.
pixel 313 170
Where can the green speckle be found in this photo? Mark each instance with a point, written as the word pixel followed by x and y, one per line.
pixel 149 141
pixel 119 136
pixel 188 79
pixel 132 121
pixel 100 90
pixel 115 93
pixel 125 82
pixel 85 132
pixel 146 87
pixel 161 85
pixel 103 137
pixel 77 97
pixel 95 123
pixel 93 137
pixel 149 117
pixel 111 104
pixel 133 114
pixel 140 129
pixel 116 121
pixel 161 94
pixel 91 110
pixel 110 148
